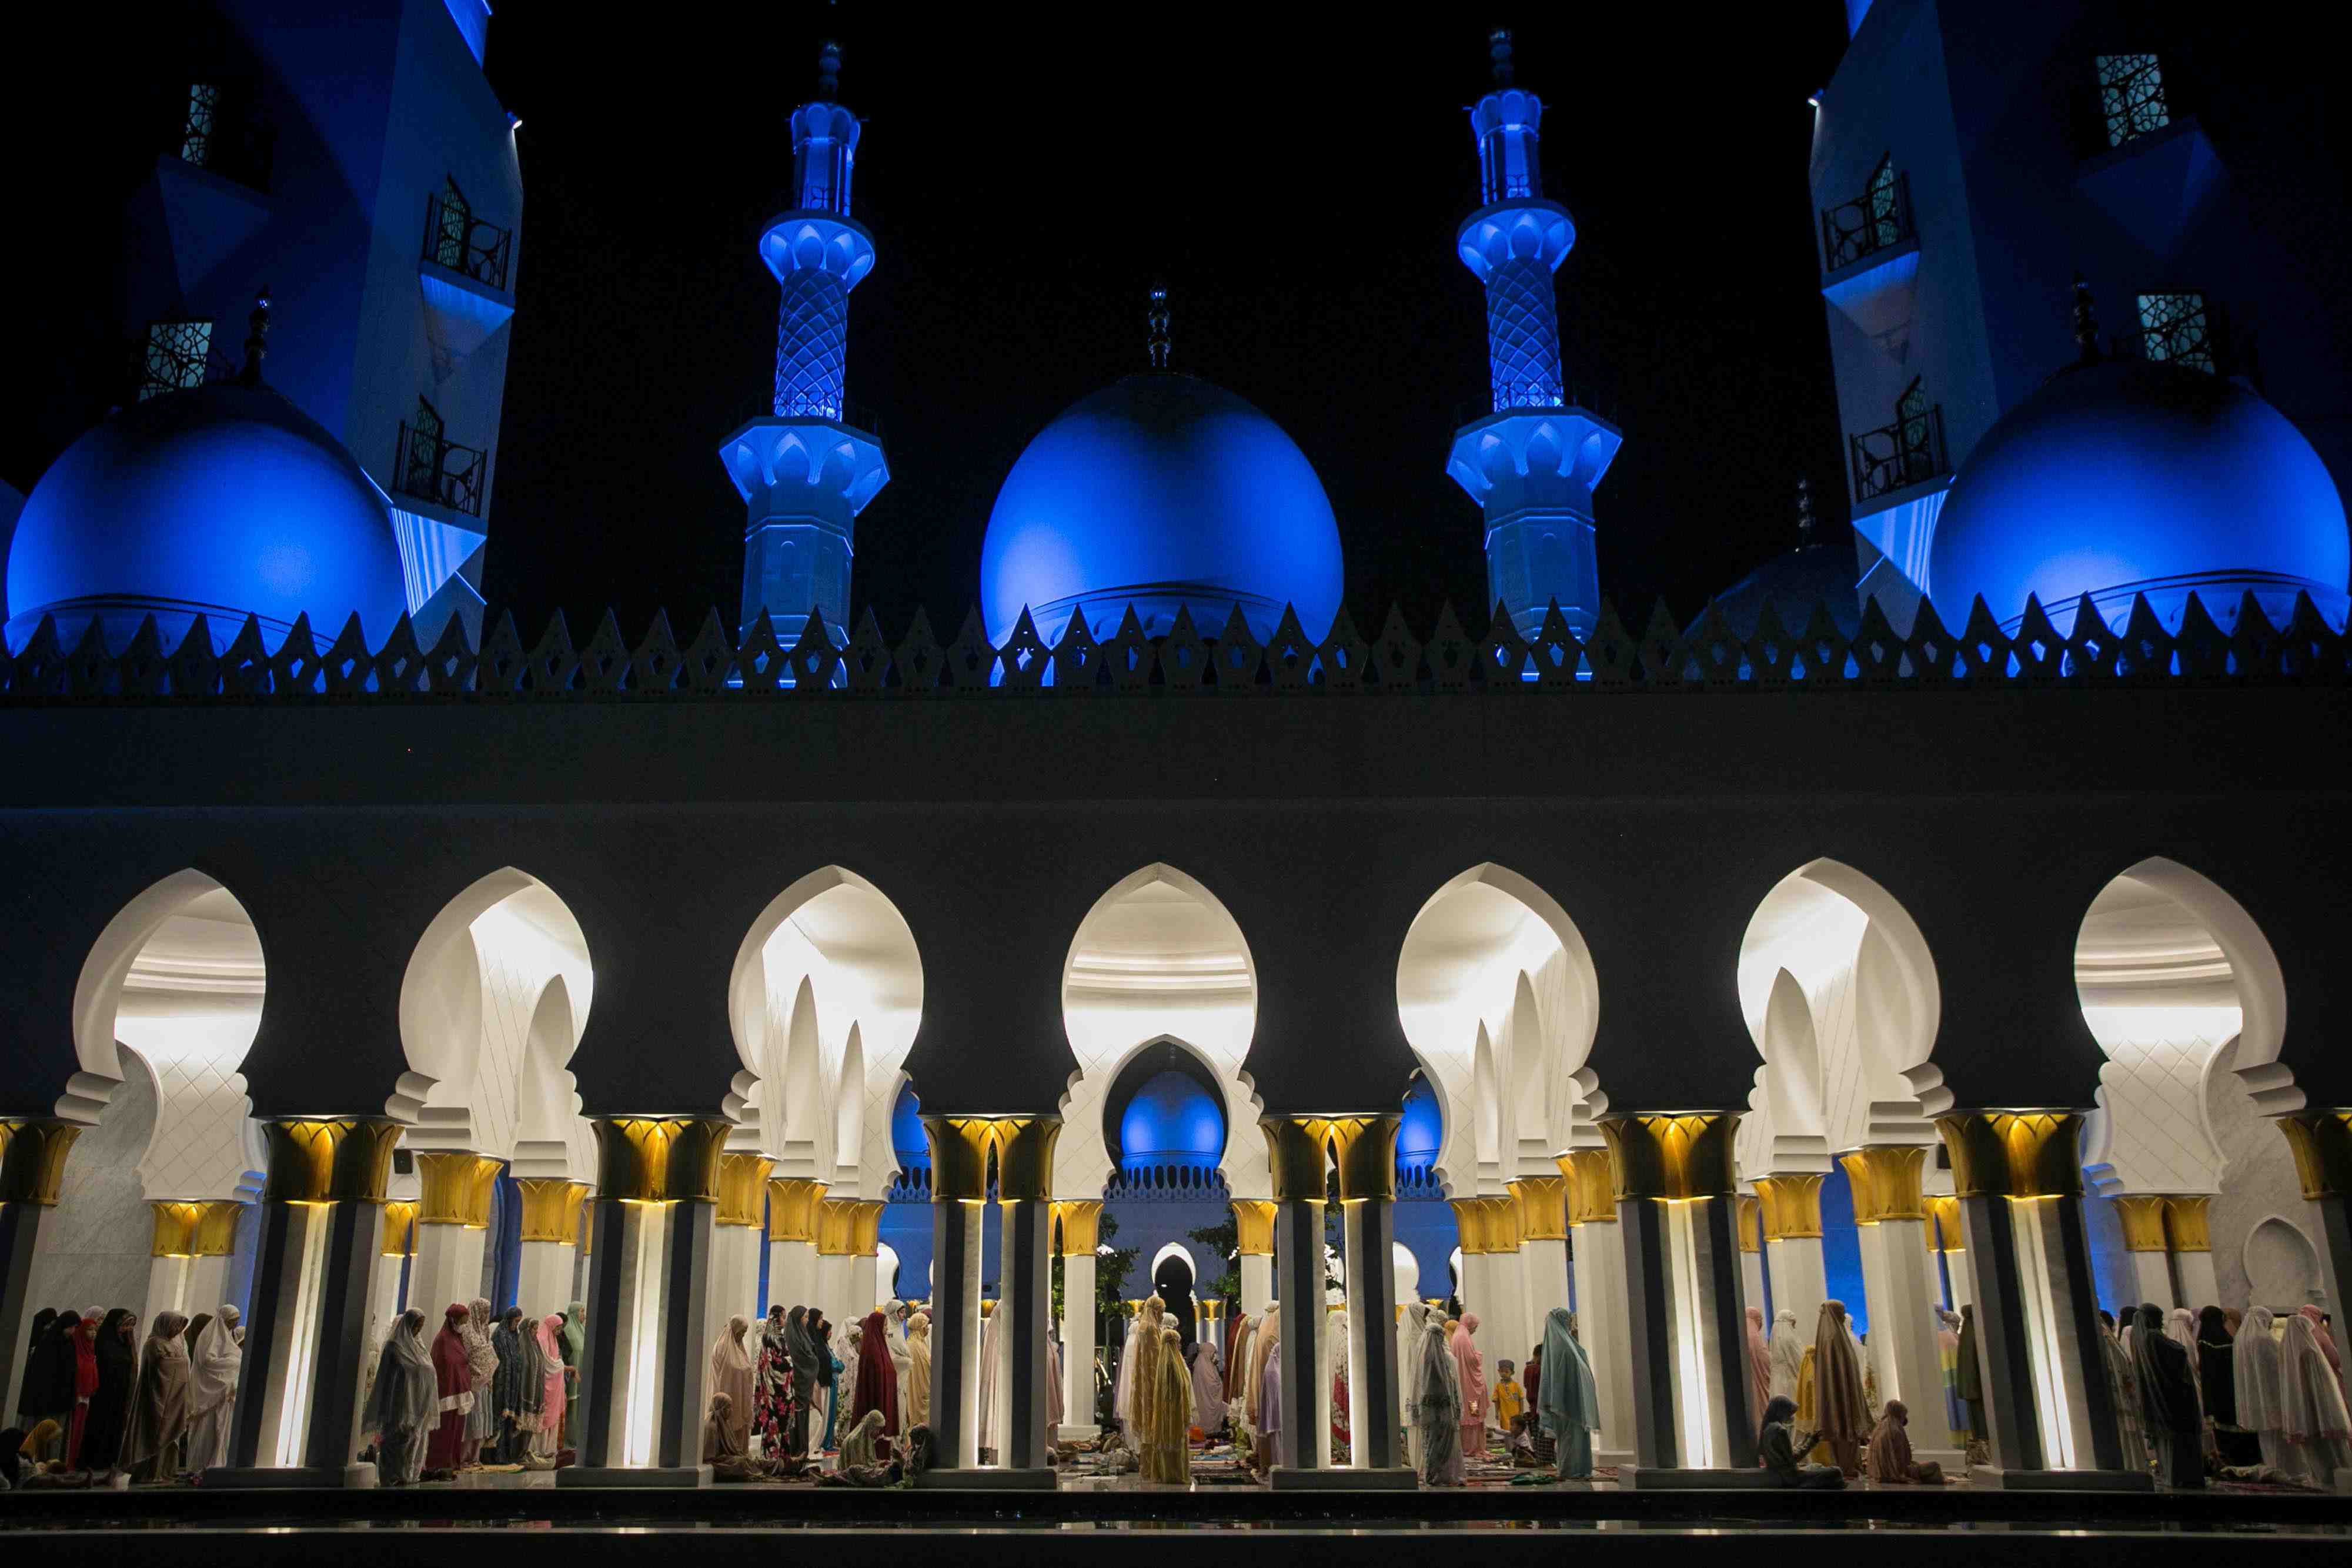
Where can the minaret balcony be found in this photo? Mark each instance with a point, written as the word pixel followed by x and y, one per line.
pixel 1520 458
pixel 806 468
pixel 430 467
pixel 1523 226
pixel 808 240
pixel 1870 230
pixel 1897 457
pixel 457 241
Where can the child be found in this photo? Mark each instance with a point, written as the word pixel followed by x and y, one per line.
pixel 1510 1402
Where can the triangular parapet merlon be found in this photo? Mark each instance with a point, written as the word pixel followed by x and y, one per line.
pixel 2242 646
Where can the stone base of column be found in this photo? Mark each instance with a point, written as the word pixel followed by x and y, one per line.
pixel 328 1478
pixel 1068 1432
pixel 987 1478
pixel 1992 1477
pixel 1398 1478
pixel 1602 1459
pixel 1658 1477
pixel 632 1476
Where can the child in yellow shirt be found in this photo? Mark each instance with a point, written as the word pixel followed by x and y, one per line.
pixel 1511 1399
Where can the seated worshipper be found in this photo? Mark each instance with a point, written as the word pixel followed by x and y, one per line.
pixel 2168 1391
pixel 1775 1451
pixel 865 1457
pixel 723 1451
pixel 1888 1460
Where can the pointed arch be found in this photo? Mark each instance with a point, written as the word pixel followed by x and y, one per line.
pixel 849 1105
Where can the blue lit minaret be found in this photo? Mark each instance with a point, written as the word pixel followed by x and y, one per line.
pixel 804 473
pixel 1532 464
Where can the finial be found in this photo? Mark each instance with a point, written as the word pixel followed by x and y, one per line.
pixel 1804 512
pixel 2087 324
pixel 1158 317
pixel 828 68
pixel 257 339
pixel 1498 49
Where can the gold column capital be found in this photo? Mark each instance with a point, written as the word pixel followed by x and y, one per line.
pixel 1543 1207
pixel 327 1159
pixel 2322 1143
pixel 1024 1156
pixel 1080 1222
pixel 549 1212
pixel 1213 1309
pixel 1591 1189
pixel 456 1188
pixel 1791 1205
pixel 216 1231
pixel 33 1152
pixel 1294 1154
pixel 2013 1154
pixel 175 1227
pixel 961 1145
pixel 866 1228
pixel 743 1188
pixel 1502 1223
pixel 2142 1214
pixel 1751 1217
pixel 1366 1148
pixel 1885 1180
pixel 1674 1155
pixel 791 1207
pixel 837 1227
pixel 1944 1230
pixel 579 1216
pixel 660 1160
pixel 399 1228
pixel 1470 1223
pixel 1253 1226
pixel 2185 1216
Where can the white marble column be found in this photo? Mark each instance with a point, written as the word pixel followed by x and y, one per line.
pixel 1791 1205
pixel 791 1240
pixel 1254 1228
pixel 1751 1256
pixel 551 1223
pixel 836 1221
pixel 1898 1273
pixel 453 1226
pixel 399 1243
pixel 2193 1250
pixel 1080 1230
pixel 1600 1259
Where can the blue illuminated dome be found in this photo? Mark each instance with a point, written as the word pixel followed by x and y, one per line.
pixel 1794 585
pixel 1172 1121
pixel 1421 1128
pixel 225 500
pixel 1162 491
pixel 2134 477
pixel 907 1144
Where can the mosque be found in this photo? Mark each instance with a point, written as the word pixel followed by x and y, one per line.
pixel 1929 928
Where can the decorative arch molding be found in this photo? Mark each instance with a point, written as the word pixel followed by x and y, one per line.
pixel 1184 1254
pixel 2280 1257
pixel 2253 965
pixel 98 990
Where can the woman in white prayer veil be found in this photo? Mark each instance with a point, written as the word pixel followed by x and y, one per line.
pixel 1787 1352
pixel 995 1383
pixel 1413 1328
pixel 902 1360
pixel 2259 1371
pixel 1122 1391
pixel 211 1393
pixel 1335 1378
pixel 2312 1419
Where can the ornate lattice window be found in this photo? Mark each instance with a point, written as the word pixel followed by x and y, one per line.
pixel 201 124
pixel 2131 96
pixel 2176 327
pixel 174 357
pixel 1877 219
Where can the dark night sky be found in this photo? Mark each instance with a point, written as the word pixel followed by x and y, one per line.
pixel 1025 173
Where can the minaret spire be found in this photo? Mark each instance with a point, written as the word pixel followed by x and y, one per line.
pixel 804 473
pixel 1157 317
pixel 1532 464
pixel 256 340
pixel 2087 324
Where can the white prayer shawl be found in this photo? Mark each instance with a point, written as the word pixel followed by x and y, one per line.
pixel 995 1382
pixel 902 1360
pixel 211 1390
pixel 1122 1400
pixel 1413 1328
pixel 2256 1370
pixel 1788 1356
pixel 2313 1413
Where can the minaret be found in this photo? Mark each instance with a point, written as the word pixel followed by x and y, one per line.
pixel 1532 464
pixel 804 473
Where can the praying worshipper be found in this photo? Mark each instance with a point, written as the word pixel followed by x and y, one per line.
pixel 41 1356
pixel 802 1346
pixel 481 1370
pixel 772 1384
pixel 2168 1391
pixel 876 1387
pixel 573 1342
pixel 1841 1412
pixel 212 1388
pixel 1143 1341
pixel 1167 1450
pixel 725 1454
pixel 919 1371
pixel 1267 1383
pixel 509 1385
pixel 159 1412
pixel 830 1369
pixel 2312 1418
pixel 893 1322
pixel 1335 1365
pixel 866 1446
pixel 1511 1399
pixel 1947 1356
pixel 1970 1383
pixel 52 1389
pixel 453 1377
pixel 1438 1419
pixel 1470 1368
pixel 1540 1446
pixel 2327 1340
pixel 116 1349
pixel 1207 1387
pixel 2123 1389
pixel 730 1374
pixel 555 1399
pixel 403 1404
pixel 1787 1352
pixel 1888 1461
pixel 2216 1366
pixel 1567 1404
pixel 1759 1365
pixel 1775 1451
pixel 2257 1375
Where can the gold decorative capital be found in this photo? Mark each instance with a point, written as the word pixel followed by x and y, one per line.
pixel 743 1188
pixel 549 1212
pixel 837 1227
pixel 579 1215
pixel 1591 1189
pixel 2013 1154
pixel 33 1152
pixel 660 1160
pixel 175 1227
pixel 1944 1231
pixel 216 1231
pixel 2142 1214
pixel 399 1228
pixel 2185 1222
pixel 457 1189
pixel 1791 1205
pixel 1671 1155
pixel 961 1145
pixel 320 1159
pixel 1543 1207
pixel 1213 1310
pixel 1502 1223
pixel 1751 1217
pixel 1296 1150
pixel 791 1209
pixel 1253 1225
pixel 2322 1142
pixel 1080 1221
pixel 865 1229
pixel 1470 1224
pixel 1885 1180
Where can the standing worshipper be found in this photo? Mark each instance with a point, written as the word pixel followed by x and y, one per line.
pixel 159 1418
pixel 481 1370
pixel 829 1371
pixel 1438 1417
pixel 211 1390
pixel 2217 1353
pixel 1413 1325
pixel 771 1382
pixel 1948 1357
pixel 1970 1383
pixel 2312 1418
pixel 1335 1365
pixel 876 1387
pixel 53 1378
pixel 41 1357
pixel 404 1402
pixel 1267 1386
pixel 1888 1460
pixel 801 1344
pixel 1567 1405
pixel 893 1320
pixel 2123 1389
pixel 919 1371
pixel 2168 1391
pixel 574 1343
pixel 1207 1387
pixel 1470 1368
pixel 1144 1338
pixel 1759 1365
pixel 1122 1384
pixel 1841 1413
pixel 82 1341
pixel 554 1388
pixel 453 1377
pixel 116 1350
pixel 509 1385
pixel 1167 1457
pixel 730 1374
pixel 1787 1352
pixel 2327 1340
pixel 2257 1376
